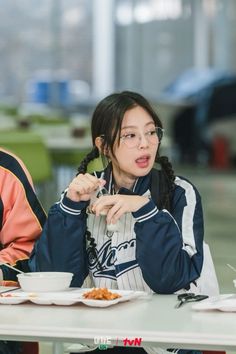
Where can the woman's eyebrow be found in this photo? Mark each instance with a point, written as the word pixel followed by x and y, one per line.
pixel 135 127
pixel 129 126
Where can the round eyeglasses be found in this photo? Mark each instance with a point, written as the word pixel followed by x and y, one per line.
pixel 153 136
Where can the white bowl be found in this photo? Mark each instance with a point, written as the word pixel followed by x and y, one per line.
pixel 45 281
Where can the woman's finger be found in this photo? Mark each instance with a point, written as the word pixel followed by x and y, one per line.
pixel 115 212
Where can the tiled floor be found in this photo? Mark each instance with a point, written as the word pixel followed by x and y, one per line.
pixel 218 191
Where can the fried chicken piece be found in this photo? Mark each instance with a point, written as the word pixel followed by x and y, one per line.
pixel 101 294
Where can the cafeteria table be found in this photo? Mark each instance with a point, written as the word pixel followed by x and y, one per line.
pixel 151 321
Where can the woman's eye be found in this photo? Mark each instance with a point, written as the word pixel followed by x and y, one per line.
pixel 151 132
pixel 129 136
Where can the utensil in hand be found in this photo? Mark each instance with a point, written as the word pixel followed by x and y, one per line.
pixel 111 228
pixel 189 297
pixel 101 190
pixel 96 194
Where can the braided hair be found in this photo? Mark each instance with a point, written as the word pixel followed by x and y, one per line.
pixel 167 183
pixel 93 154
pixel 106 123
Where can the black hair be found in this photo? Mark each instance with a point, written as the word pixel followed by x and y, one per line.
pixel 108 115
pixel 106 123
pixel 107 120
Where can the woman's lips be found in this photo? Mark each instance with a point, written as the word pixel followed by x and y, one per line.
pixel 143 161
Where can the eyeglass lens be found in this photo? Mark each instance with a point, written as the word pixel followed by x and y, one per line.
pixel 153 137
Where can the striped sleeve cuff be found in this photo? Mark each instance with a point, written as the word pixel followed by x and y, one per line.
pixel 146 212
pixel 71 207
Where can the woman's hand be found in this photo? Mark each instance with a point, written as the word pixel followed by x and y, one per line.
pixel 83 186
pixel 118 204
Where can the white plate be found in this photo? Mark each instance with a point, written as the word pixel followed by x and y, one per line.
pixel 12 300
pixel 100 303
pixel 56 299
pixel 126 295
pixel 77 297
pixel 61 298
pixel 226 303
pixel 67 298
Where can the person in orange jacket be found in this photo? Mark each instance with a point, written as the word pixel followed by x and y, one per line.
pixel 21 215
pixel 21 220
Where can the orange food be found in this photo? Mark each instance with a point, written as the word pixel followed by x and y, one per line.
pixel 100 294
pixel 9 283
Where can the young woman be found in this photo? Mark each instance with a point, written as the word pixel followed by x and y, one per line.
pixel 125 239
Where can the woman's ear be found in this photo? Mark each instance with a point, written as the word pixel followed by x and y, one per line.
pixel 99 142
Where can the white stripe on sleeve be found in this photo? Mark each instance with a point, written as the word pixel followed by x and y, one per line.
pixel 188 215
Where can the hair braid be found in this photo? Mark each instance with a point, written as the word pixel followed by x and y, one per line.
pixel 93 154
pixel 169 178
pixel 92 246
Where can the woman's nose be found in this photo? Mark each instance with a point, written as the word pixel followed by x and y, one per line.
pixel 143 141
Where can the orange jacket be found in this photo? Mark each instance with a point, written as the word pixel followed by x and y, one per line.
pixel 21 215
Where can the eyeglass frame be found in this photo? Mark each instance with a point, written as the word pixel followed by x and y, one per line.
pixel 102 136
pixel 158 134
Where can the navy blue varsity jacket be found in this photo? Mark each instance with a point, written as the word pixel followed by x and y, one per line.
pixel 168 246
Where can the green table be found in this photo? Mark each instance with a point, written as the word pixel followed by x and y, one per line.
pixel 32 150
